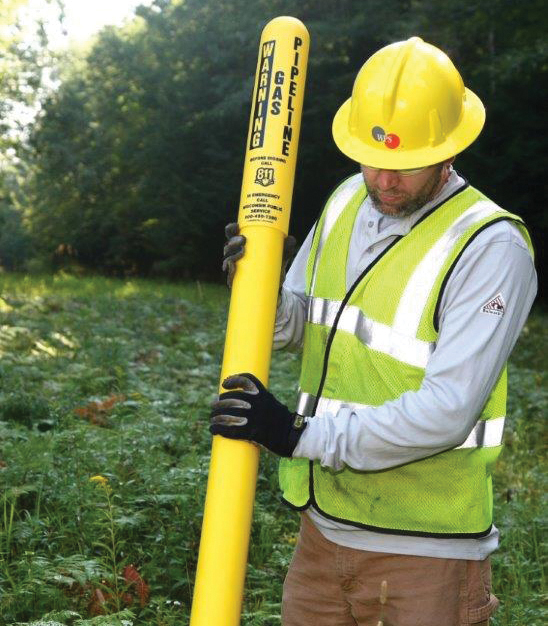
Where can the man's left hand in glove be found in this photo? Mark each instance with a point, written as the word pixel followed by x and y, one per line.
pixel 254 414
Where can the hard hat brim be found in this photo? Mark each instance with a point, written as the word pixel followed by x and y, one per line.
pixel 380 156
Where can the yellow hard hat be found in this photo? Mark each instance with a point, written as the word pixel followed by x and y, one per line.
pixel 409 108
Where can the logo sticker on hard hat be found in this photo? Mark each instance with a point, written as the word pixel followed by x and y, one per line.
pixel 378 133
pixel 390 140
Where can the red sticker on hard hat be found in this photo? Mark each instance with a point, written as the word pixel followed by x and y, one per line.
pixel 392 141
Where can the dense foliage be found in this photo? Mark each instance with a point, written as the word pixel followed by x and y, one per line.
pixel 137 155
pixel 26 66
pixel 104 453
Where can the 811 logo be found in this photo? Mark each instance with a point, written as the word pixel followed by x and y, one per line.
pixel 390 140
pixel 264 176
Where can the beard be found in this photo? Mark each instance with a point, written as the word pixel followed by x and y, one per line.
pixel 409 202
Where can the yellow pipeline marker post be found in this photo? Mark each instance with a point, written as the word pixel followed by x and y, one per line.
pixel 265 203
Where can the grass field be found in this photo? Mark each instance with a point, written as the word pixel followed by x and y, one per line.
pixel 104 451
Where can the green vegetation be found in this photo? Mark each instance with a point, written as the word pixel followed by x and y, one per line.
pixel 104 455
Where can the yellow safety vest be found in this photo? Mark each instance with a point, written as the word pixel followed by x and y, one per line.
pixel 371 344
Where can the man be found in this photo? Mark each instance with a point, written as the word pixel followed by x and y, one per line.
pixel 407 298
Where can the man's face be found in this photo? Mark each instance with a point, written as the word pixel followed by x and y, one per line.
pixel 399 196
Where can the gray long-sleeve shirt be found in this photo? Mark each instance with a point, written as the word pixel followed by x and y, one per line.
pixel 472 347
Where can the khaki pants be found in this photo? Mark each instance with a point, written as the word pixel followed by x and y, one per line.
pixel 330 585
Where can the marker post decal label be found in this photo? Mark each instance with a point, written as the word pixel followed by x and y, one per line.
pixel 269 167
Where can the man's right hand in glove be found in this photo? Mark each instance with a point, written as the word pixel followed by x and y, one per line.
pixel 235 248
pixel 247 410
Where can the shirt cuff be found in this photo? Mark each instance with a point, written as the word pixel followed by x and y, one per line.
pixel 313 444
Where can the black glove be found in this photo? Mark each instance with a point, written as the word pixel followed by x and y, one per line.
pixel 254 414
pixel 235 247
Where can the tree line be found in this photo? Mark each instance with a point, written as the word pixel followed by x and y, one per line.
pixel 133 164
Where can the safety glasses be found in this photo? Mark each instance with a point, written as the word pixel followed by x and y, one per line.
pixel 408 172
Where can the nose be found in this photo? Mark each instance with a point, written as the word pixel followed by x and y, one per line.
pixel 387 179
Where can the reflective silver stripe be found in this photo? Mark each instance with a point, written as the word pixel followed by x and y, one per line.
pixel 485 434
pixel 322 311
pixel 375 335
pixel 335 208
pixel 420 285
pixel 305 404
